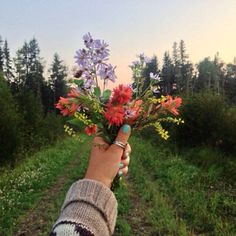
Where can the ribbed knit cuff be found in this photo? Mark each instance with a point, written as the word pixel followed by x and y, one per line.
pixel 91 203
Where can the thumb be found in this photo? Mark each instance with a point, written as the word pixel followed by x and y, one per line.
pixel 123 136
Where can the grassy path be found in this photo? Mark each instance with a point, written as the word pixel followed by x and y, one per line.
pixel 163 194
pixel 40 218
pixel 170 196
pixel 34 179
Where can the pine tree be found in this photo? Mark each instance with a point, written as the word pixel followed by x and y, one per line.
pixel 57 80
pixel 167 75
pixel 176 67
pixel 1 55
pixel 186 70
pixel 7 67
pixel 29 67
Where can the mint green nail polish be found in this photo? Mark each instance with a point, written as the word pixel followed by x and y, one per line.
pixel 120 173
pixel 125 129
pixel 121 165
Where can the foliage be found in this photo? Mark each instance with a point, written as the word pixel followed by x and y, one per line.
pixel 22 187
pixel 10 120
pixel 208 121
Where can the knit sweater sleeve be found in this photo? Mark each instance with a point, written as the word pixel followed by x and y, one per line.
pixel 90 208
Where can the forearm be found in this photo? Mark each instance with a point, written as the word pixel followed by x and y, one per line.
pixel 89 204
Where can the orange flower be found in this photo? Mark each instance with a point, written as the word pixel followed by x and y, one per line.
pixel 121 94
pixel 114 114
pixel 67 107
pixel 74 93
pixel 172 104
pixel 91 129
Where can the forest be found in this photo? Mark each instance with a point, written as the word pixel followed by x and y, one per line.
pixel 30 120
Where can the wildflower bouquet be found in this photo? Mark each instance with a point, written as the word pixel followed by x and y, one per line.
pixel 101 111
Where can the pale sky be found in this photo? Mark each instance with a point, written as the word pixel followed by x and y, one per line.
pixel 129 26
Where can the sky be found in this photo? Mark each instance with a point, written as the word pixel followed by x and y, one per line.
pixel 130 27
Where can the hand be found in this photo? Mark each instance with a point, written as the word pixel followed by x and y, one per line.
pixel 106 161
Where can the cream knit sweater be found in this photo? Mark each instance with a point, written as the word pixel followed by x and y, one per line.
pixel 90 208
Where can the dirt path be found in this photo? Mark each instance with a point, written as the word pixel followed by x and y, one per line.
pixel 137 216
pixel 33 223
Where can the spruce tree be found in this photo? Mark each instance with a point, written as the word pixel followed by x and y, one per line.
pixel 1 55
pixel 29 67
pixel 7 67
pixel 57 80
pixel 167 75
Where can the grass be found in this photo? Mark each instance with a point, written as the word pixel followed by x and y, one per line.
pixel 164 194
pixel 21 188
pixel 178 197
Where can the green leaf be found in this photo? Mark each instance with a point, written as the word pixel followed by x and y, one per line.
pixel 78 82
pixel 97 91
pixel 106 94
pixel 75 122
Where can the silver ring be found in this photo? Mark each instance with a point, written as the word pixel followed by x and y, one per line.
pixel 119 144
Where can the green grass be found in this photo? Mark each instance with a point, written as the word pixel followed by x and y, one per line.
pixel 178 197
pixel 164 194
pixel 21 188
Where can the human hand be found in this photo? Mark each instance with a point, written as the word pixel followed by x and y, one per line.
pixel 106 161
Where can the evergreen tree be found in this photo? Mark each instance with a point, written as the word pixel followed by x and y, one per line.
pixel 57 80
pixel 176 67
pixel 167 85
pixel 219 82
pixel 207 75
pixel 29 67
pixel 230 82
pixel 7 67
pixel 10 121
pixel 1 55
pixel 186 70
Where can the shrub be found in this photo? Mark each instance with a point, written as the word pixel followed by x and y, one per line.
pixel 208 121
pixel 10 134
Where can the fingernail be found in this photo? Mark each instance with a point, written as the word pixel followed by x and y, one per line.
pixel 126 154
pixel 121 165
pixel 120 173
pixel 125 129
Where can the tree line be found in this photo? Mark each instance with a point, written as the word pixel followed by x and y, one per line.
pixel 181 76
pixel 28 115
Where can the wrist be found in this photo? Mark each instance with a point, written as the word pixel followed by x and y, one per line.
pixel 100 179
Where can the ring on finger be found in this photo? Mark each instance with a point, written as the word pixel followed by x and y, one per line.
pixel 120 144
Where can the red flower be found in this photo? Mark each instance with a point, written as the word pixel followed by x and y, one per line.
pixel 74 93
pixel 67 107
pixel 114 114
pixel 91 129
pixel 121 94
pixel 172 104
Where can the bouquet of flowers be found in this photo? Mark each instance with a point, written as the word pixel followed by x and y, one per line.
pixel 101 111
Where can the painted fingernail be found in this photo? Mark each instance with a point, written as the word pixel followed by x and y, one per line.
pixel 120 173
pixel 125 129
pixel 121 165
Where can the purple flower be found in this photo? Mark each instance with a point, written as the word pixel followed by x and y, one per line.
pixel 144 58
pixel 129 113
pixel 89 83
pixel 135 63
pixel 107 72
pixel 88 40
pixel 155 77
pixel 81 57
